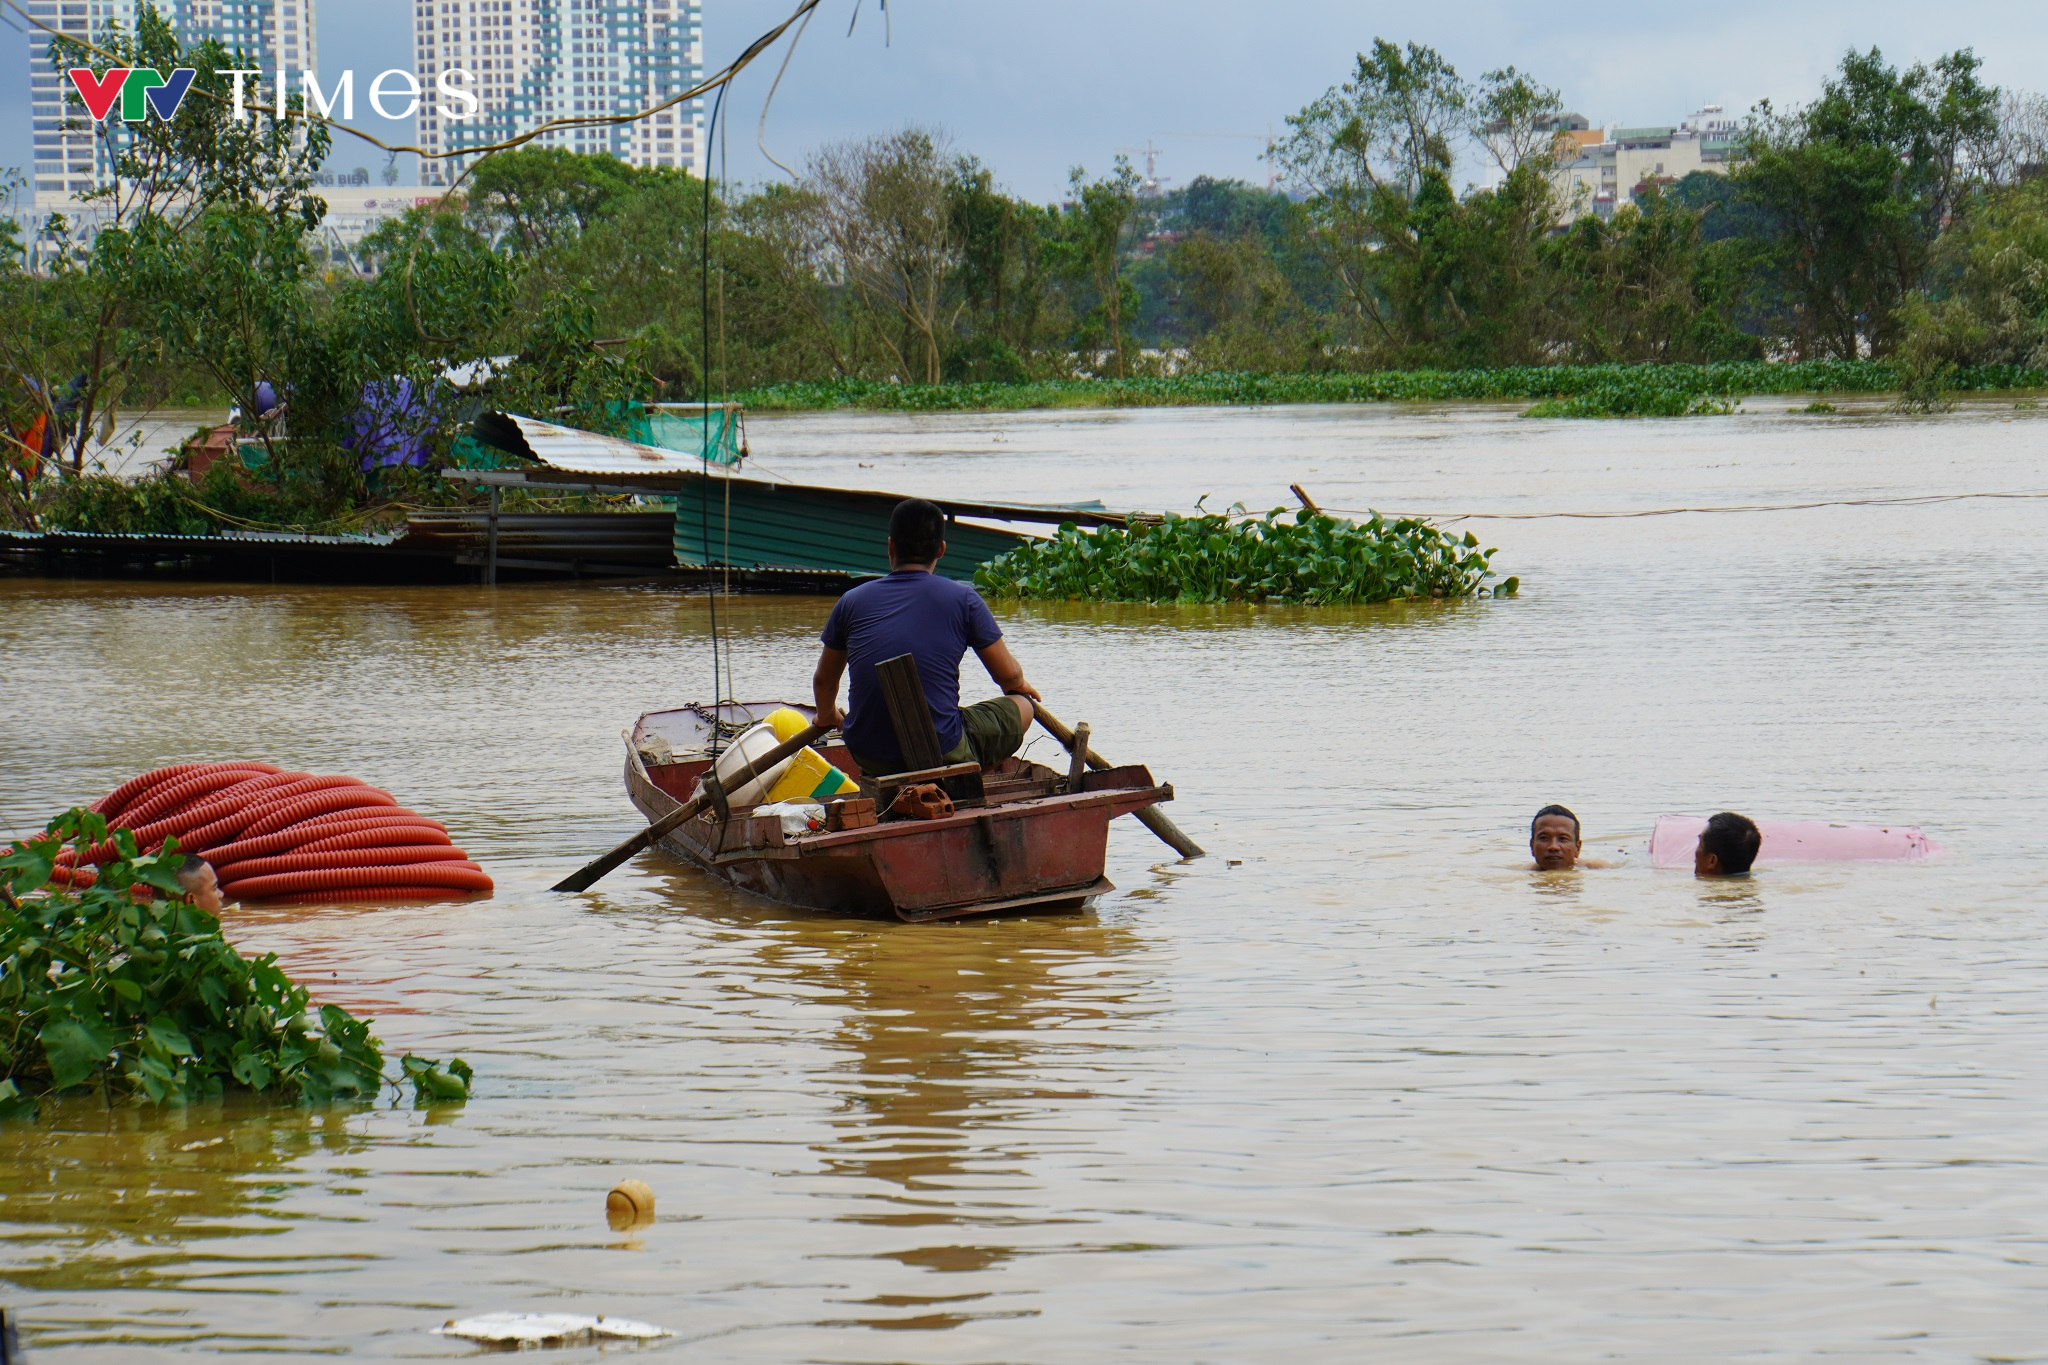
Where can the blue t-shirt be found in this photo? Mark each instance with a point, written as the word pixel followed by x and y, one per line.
pixel 934 619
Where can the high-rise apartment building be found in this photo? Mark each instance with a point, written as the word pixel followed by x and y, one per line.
pixel 537 60
pixel 68 162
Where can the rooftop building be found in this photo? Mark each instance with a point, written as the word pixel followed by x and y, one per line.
pixel 539 60
pixel 1623 163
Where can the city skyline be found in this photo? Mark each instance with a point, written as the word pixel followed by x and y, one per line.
pixel 1031 101
pixel 538 60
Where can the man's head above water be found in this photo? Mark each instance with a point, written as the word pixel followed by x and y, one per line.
pixel 1554 839
pixel 1728 845
pixel 197 876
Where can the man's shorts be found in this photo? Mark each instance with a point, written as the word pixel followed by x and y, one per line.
pixel 991 731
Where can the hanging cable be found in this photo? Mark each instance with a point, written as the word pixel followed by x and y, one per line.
pixel 704 390
pixel 728 417
pixel 761 129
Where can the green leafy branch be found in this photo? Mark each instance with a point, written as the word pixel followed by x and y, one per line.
pixel 125 989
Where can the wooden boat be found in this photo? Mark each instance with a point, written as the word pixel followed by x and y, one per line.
pixel 1030 844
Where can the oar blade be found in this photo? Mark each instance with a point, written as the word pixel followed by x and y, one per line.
pixel 589 875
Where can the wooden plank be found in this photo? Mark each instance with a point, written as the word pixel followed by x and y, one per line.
pixel 909 714
pixel 928 774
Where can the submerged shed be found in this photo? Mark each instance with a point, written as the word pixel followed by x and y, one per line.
pixel 768 532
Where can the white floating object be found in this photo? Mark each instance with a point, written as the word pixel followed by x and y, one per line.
pixel 549 1329
pixel 1674 838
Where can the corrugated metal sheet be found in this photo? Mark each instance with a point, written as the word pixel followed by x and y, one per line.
pixel 745 524
pixel 569 451
pixel 578 452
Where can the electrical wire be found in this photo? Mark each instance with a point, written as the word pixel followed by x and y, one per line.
pixel 724 395
pixel 704 388
pixel 761 128
pixel 1914 500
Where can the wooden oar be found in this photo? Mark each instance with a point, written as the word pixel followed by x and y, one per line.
pixel 584 879
pixel 1151 817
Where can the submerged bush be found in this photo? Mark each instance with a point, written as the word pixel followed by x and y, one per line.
pixel 1612 390
pixel 1315 559
pixel 124 988
pixel 1634 400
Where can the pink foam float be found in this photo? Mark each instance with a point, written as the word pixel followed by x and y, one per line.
pixel 1674 838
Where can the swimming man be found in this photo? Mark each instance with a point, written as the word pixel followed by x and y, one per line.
pixel 1554 841
pixel 1728 846
pixel 201 883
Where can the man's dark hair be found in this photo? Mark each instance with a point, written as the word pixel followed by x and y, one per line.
pixel 919 530
pixel 1554 810
pixel 1733 840
pixel 193 862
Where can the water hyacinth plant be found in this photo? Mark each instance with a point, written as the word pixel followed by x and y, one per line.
pixel 1658 390
pixel 1314 559
pixel 126 990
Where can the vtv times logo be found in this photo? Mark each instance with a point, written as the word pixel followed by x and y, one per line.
pixel 142 91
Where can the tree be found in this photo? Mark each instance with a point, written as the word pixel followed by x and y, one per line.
pixel 1391 126
pixel 2020 149
pixel 1093 229
pixel 1429 278
pixel 169 174
pixel 1516 120
pixel 1854 189
pixel 1007 251
pixel 542 195
pixel 1235 308
pixel 885 206
pixel 1643 287
pixel 1986 301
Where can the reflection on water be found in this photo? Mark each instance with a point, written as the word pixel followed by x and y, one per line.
pixel 1360 1084
pixel 934 1057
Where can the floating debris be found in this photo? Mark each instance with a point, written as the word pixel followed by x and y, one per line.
pixel 629 1205
pixel 519 1330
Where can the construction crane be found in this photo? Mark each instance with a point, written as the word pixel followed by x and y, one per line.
pixel 1272 177
pixel 1149 186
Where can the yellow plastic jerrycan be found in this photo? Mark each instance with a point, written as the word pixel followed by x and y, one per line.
pixel 810 778
pixel 783 724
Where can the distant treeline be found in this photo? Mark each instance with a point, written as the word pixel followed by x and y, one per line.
pixel 1892 233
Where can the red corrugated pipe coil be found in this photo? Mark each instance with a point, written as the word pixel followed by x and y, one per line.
pixel 295 837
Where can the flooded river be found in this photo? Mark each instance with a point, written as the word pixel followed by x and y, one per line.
pixel 1357 1087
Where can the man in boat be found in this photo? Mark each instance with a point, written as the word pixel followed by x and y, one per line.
pixel 1554 841
pixel 936 620
pixel 1728 846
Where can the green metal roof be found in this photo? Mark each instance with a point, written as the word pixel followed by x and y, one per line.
pixel 754 525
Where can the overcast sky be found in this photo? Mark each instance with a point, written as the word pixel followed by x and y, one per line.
pixel 1036 89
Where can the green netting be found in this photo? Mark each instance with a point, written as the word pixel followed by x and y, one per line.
pixel 690 431
pixel 466 452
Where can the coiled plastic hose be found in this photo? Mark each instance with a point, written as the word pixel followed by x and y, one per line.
pixel 323 829
pixel 455 876
pixel 272 833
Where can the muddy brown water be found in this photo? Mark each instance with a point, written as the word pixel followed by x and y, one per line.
pixel 1358 1086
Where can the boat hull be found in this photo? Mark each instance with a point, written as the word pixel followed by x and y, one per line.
pixel 1033 847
